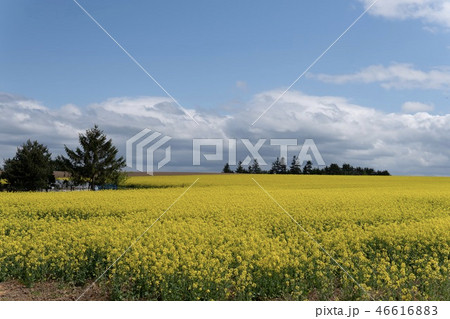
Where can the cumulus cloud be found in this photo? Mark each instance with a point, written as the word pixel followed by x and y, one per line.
pixel 414 107
pixel 344 132
pixel 70 111
pixel 433 13
pixel 120 118
pixel 396 76
pixel 404 143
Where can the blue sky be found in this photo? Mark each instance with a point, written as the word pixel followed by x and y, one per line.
pixel 389 74
pixel 198 50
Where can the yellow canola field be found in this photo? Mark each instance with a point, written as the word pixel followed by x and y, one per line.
pixel 225 239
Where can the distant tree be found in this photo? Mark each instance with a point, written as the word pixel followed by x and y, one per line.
pixel 240 169
pixel 295 167
pixel 279 166
pixel 227 169
pixel 30 169
pixel 96 162
pixel 276 166
pixel 347 169
pixel 369 171
pixel 308 168
pixel 317 171
pixel 254 168
pixel 334 169
pixel 283 166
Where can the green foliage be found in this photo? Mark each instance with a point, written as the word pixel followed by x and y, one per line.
pixel 3 184
pixel 347 169
pixel 254 168
pixel 95 162
pixel 295 166
pixel 30 169
pixel 308 168
pixel 118 178
pixel 279 166
pixel 240 169
pixel 227 169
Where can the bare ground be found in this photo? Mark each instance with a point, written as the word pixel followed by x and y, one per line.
pixel 13 290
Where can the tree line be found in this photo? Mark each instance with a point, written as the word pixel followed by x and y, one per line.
pixel 94 162
pixel 280 167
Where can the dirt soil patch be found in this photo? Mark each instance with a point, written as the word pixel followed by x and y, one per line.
pixel 13 290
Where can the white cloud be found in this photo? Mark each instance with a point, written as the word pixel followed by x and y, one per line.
pixel 431 12
pixel 414 107
pixel 404 143
pixel 397 76
pixel 70 110
pixel 344 132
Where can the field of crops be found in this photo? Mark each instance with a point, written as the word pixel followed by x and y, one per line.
pixel 226 239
